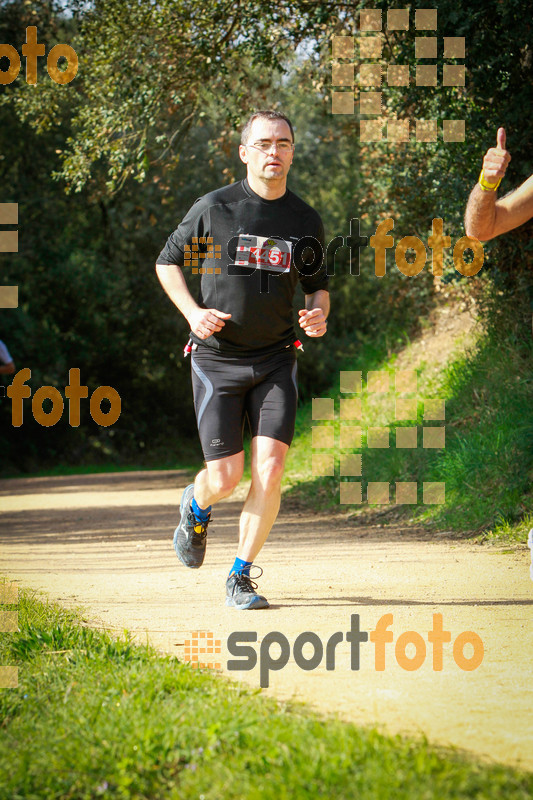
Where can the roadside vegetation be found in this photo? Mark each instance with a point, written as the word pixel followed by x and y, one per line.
pixel 487 462
pixel 97 717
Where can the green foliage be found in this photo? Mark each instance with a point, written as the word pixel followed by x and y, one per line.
pixel 487 463
pixel 142 69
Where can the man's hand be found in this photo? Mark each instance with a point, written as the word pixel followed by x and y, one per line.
pixel 486 216
pixel 206 321
pixel 313 321
pixel 496 159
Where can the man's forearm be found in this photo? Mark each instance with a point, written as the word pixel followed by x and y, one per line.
pixel 173 282
pixel 480 214
pixel 204 322
pixel 319 299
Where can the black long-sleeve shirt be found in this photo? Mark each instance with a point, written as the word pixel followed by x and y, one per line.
pixel 250 253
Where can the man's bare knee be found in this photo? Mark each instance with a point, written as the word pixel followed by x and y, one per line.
pixel 223 478
pixel 270 472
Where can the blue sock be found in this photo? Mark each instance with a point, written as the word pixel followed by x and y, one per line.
pixel 201 514
pixel 241 566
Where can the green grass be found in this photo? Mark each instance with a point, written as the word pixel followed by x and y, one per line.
pixel 95 717
pixel 487 463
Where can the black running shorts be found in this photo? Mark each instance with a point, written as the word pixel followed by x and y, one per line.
pixel 229 389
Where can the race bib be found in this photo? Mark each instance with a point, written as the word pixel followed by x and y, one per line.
pixel 272 254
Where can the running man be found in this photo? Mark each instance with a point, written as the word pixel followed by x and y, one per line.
pixel 251 241
pixel 487 217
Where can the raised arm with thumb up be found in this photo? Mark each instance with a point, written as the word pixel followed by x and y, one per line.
pixel 488 215
pixel 496 159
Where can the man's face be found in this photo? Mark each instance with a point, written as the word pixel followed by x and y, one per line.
pixel 270 164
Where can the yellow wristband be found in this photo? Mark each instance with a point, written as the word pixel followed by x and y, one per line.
pixel 485 185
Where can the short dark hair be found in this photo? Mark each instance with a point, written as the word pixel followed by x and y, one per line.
pixel 266 114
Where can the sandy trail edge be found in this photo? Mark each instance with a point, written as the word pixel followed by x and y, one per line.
pixel 104 541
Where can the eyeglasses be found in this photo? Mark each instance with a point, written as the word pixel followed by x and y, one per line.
pixel 266 146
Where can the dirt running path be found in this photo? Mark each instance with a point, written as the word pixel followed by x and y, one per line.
pixel 104 541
